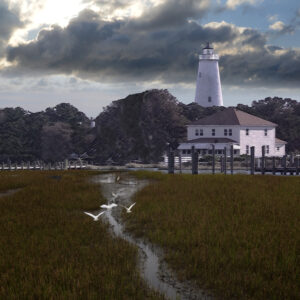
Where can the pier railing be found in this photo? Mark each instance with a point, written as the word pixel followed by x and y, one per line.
pixel 227 163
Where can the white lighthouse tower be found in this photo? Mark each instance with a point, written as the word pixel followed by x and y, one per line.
pixel 208 91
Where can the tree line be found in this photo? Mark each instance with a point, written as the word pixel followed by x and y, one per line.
pixel 139 127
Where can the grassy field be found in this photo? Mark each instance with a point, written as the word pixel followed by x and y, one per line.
pixel 237 236
pixel 51 250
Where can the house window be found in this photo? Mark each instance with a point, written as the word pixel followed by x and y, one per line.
pixel 267 149
pixel 230 132
pixel 209 99
pixel 201 132
pixel 235 152
pixel 188 151
pixel 213 132
pixel 277 148
pixel 266 132
pixel 183 151
pixel 247 131
pixel 247 149
pixel 225 132
pixel 197 132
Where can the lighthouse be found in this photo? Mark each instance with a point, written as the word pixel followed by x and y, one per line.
pixel 208 90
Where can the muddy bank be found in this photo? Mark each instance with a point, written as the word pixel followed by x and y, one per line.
pixel 120 189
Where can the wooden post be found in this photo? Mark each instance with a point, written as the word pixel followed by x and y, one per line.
pixel 231 159
pixel 221 163
pixel 273 165
pixel 180 161
pixel 292 160
pixel 252 161
pixel 195 158
pixel 284 164
pixel 225 160
pixel 297 166
pixel 170 161
pixel 263 153
pixel 213 159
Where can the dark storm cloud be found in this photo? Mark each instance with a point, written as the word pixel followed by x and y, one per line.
pixel 171 13
pixel 9 21
pixel 133 50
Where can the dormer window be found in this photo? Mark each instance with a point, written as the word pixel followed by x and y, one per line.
pixel 201 132
pixel 197 132
pixel 225 132
pixel 230 132
pixel 247 131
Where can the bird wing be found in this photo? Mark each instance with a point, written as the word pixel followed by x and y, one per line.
pixel 104 206
pixel 101 213
pixel 91 215
pixel 131 206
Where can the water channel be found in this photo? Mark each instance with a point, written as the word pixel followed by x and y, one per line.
pixel 154 271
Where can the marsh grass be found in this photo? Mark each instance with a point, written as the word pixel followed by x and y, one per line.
pixel 51 250
pixel 238 236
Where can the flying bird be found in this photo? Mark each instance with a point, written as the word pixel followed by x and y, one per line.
pixel 115 195
pixel 110 206
pixel 128 209
pixel 96 218
pixel 118 178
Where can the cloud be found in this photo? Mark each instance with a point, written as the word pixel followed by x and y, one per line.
pixel 138 50
pixel 233 4
pixel 9 22
pixel 282 28
pixel 172 13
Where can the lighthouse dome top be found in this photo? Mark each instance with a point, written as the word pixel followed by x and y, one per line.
pixel 208 53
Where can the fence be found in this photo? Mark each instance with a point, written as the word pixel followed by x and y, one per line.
pixel 38 165
pixel 286 165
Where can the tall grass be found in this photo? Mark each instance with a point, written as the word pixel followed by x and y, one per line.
pixel 238 236
pixel 51 250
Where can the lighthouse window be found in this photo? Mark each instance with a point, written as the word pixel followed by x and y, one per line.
pixel 213 132
pixel 209 99
pixel 201 132
pixel 230 132
pixel 225 131
pixel 266 132
pixel 196 132
pixel 247 131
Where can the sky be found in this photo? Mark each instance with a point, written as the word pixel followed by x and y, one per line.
pixel 91 52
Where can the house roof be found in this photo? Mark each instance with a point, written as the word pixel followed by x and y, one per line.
pixel 278 141
pixel 233 116
pixel 210 141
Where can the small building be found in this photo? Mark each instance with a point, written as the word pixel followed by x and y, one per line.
pixel 232 127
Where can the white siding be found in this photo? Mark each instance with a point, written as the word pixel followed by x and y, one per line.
pixel 257 139
pixel 281 151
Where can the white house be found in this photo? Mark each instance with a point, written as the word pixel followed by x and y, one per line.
pixel 232 127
